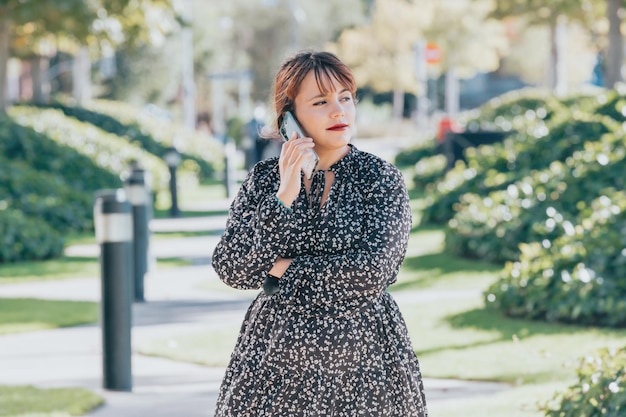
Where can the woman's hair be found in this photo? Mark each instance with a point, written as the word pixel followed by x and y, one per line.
pixel 326 67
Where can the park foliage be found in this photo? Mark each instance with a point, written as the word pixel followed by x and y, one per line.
pixel 548 204
pixel 53 161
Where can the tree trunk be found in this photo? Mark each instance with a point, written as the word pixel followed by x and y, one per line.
pixel 452 93
pixel 41 83
pixel 554 58
pixel 398 104
pixel 615 52
pixel 562 79
pixel 5 32
pixel 81 76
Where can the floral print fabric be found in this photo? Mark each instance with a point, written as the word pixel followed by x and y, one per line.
pixel 331 341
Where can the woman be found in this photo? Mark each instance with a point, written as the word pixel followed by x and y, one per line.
pixel 328 340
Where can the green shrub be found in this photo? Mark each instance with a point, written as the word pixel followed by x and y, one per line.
pixel 612 105
pixel 600 390
pixel 494 167
pixel 407 158
pixel 492 227
pixel 106 150
pixel 41 153
pixel 26 238
pixel 428 170
pixel 44 196
pixel 516 110
pixel 135 134
pixel 191 142
pixel 577 277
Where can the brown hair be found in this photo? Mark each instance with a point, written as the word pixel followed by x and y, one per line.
pixel 294 69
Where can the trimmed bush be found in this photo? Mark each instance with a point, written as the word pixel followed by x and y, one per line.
pixel 164 131
pixel 134 134
pixel 44 196
pixel 41 153
pixel 428 171
pixel 26 238
pixel 492 227
pixel 495 167
pixel 407 158
pixel 600 390
pixel 575 278
pixel 106 150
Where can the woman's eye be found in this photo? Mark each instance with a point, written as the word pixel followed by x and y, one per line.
pixel 346 98
pixel 318 103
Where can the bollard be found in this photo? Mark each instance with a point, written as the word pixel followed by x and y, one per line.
pixel 137 190
pixel 112 219
pixel 173 159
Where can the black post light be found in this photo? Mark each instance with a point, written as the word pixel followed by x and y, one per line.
pixel 172 158
pixel 113 227
pixel 137 187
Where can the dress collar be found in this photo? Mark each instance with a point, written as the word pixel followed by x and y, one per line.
pixel 345 160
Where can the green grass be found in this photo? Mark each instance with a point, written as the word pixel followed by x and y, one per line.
pixel 191 196
pixel 64 268
pixel 27 401
pixel 28 314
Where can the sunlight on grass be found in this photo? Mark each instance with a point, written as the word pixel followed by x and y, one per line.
pixel 426 265
pixel 28 314
pixel 459 339
pixel 55 402
pixel 65 268
pixel 516 402
pixel 207 348
pixel 68 267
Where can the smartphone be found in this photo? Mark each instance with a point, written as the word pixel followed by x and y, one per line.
pixel 287 128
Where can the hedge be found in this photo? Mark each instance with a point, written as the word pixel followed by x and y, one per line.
pixel 134 133
pixel 600 390
pixel 492 227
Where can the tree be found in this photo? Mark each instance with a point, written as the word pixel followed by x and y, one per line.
pixel 381 53
pixel 471 42
pixel 25 24
pixel 556 16
pixel 29 26
pixel 615 49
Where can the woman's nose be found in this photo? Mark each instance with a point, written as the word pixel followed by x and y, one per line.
pixel 337 109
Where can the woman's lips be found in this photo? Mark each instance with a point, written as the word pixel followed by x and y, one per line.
pixel 340 126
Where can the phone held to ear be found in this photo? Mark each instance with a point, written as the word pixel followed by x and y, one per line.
pixel 287 128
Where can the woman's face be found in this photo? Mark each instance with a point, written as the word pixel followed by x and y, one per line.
pixel 328 118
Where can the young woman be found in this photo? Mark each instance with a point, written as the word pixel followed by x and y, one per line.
pixel 326 339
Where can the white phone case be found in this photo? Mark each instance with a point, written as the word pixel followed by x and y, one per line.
pixel 289 126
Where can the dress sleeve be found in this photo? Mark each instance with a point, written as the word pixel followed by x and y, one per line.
pixel 256 233
pixel 323 281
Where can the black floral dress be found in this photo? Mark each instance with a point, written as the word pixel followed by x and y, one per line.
pixel 331 341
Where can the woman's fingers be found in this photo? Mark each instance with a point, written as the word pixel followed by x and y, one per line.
pixel 292 154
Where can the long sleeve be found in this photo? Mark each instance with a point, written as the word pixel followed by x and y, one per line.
pixel 256 231
pixel 327 280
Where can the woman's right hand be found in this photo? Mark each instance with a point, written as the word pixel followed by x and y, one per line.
pixel 292 154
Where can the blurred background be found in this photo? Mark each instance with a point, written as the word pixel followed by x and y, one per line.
pixel 506 117
pixel 412 58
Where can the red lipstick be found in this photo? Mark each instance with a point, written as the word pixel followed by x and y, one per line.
pixel 338 126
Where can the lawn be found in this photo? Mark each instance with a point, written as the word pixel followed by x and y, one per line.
pixel 26 314
pixel 57 402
